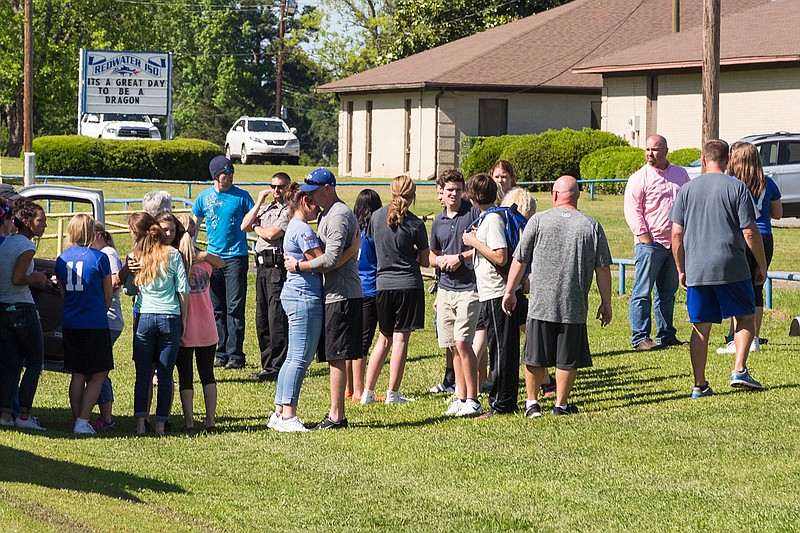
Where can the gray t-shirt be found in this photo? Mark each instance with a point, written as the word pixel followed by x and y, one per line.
pixel 397 249
pixel 11 248
pixel 335 231
pixel 563 247
pixel 274 214
pixel 713 209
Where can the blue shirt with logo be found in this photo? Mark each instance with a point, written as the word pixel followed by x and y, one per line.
pixel 223 213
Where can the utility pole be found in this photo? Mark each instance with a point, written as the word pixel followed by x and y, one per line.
pixel 676 16
pixel 710 80
pixel 29 171
pixel 279 75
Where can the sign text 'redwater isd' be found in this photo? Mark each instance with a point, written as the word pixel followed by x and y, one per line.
pixel 125 82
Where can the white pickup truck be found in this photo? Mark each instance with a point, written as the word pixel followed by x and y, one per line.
pixel 119 126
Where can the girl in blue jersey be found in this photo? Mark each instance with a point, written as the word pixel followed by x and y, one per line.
pixel 84 276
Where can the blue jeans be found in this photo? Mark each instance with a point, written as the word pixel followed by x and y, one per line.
pixel 305 325
pixel 228 294
pixel 156 341
pixel 22 345
pixel 655 267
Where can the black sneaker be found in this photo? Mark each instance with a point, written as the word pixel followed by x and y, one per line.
pixel 264 376
pixel 219 363
pixel 234 365
pixel 534 411
pixel 327 423
pixel 569 410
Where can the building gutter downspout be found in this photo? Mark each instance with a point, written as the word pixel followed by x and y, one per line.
pixel 436 134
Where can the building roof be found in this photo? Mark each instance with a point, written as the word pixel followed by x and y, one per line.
pixel 537 53
pixel 765 33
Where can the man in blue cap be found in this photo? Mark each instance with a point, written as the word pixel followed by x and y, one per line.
pixel 338 233
pixel 223 206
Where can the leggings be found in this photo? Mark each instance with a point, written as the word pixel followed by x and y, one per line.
pixel 205 366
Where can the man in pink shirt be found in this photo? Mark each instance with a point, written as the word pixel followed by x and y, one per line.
pixel 649 196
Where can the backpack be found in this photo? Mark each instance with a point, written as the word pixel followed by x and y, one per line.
pixel 514 222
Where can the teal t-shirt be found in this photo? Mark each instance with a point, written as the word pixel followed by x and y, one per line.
pixel 160 297
pixel 223 213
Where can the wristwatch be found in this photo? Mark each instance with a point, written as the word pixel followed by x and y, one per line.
pixel 461 258
pixel 297 266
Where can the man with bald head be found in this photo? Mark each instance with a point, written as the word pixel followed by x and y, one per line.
pixel 649 195
pixel 564 248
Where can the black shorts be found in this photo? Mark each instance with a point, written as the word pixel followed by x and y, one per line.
pixel 769 248
pixel 87 351
pixel 370 322
pixel 481 320
pixel 341 336
pixel 400 310
pixel 564 346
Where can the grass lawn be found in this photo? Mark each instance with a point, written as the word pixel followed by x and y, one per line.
pixel 639 456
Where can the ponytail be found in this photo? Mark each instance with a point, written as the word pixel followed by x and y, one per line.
pixel 403 194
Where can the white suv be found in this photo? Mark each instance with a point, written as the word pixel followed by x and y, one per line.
pixel 119 126
pixel 780 157
pixel 270 138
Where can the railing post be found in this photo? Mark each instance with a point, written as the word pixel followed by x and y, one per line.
pixel 768 291
pixel 591 190
pixel 621 279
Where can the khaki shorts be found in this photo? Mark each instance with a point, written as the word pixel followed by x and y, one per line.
pixel 456 316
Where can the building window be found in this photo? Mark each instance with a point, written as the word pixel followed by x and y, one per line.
pixel 492 117
pixel 597 107
pixel 407 137
pixel 368 159
pixel 349 139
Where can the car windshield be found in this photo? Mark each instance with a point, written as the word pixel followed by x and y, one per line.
pixel 270 126
pixel 124 117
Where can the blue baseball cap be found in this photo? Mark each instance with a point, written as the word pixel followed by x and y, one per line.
pixel 317 178
pixel 220 165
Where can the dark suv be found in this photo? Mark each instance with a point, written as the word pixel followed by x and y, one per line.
pixel 780 157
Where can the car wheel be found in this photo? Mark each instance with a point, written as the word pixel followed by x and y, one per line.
pixel 228 151
pixel 244 157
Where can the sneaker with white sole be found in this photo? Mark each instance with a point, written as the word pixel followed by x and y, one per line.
pixel 701 392
pixel 441 387
pixel 533 411
pixel 83 427
pixel 290 425
pixel 452 409
pixel 731 347
pixel 367 397
pixel 7 423
pixel 394 397
pixel 29 423
pixel 744 380
pixel 470 408
pixel 273 419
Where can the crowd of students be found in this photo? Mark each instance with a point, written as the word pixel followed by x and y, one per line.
pixel 480 299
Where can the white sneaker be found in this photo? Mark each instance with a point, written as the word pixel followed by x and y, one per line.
pixel 453 408
pixel 83 427
pixel 29 423
pixel 368 396
pixel 273 419
pixel 731 347
pixel 395 397
pixel 7 423
pixel 470 408
pixel 441 387
pixel 290 425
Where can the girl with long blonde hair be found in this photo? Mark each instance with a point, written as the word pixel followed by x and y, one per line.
pixel 401 245
pixel 161 307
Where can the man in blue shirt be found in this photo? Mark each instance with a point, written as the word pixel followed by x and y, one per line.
pixel 223 206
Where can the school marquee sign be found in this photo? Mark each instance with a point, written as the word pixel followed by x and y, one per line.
pixel 125 82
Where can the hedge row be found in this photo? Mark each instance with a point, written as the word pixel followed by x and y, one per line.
pixel 75 155
pixel 542 157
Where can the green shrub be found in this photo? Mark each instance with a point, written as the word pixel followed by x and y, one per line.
pixel 684 156
pixel 75 155
pixel 485 152
pixel 609 163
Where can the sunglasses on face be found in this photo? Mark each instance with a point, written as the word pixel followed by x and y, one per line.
pixel 277 187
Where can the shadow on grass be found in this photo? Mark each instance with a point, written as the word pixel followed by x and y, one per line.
pixel 405 424
pixel 29 468
pixel 628 385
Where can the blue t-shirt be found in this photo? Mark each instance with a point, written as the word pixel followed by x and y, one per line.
pixel 223 213
pixel 298 239
pixel 367 264
pixel 763 220
pixel 80 272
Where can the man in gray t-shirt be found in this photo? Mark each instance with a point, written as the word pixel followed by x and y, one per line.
pixel 338 234
pixel 564 248
pixel 713 220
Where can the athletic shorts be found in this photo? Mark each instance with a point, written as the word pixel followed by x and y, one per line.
pixel 341 338
pixel 713 303
pixel 400 310
pixel 456 316
pixel 769 248
pixel 369 314
pixel 564 346
pixel 87 351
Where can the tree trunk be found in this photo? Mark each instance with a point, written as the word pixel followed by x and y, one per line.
pixel 14 121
